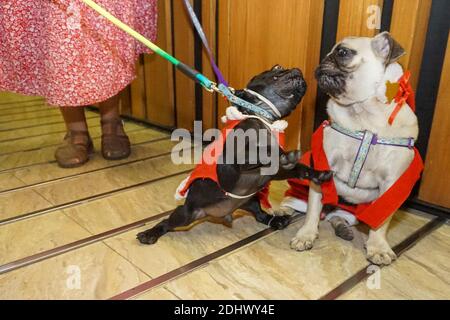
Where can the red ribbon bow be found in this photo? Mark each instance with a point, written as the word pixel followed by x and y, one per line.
pixel 405 94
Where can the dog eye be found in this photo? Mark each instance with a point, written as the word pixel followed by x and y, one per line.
pixel 277 67
pixel 275 78
pixel 342 52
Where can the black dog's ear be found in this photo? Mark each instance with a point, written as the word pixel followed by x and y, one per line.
pixel 240 94
pixel 244 95
pixel 387 48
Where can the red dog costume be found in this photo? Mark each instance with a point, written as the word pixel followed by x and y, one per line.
pixel 207 169
pixel 375 213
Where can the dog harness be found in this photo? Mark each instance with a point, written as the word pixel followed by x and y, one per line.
pixel 207 169
pixel 367 139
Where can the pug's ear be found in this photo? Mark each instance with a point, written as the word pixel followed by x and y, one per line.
pixel 387 48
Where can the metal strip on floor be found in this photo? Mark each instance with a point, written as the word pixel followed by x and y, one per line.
pixel 54 161
pixel 59 143
pixel 187 268
pixel 25 119
pixel 43 134
pixel 399 249
pixel 85 200
pixel 41 124
pixel 35 258
pixel 36 108
pixel 42 183
pixel 13 104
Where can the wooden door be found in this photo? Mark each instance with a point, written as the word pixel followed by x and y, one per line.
pixel 254 35
pixel 435 187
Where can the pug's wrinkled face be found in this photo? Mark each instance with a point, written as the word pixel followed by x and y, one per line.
pixel 285 88
pixel 354 69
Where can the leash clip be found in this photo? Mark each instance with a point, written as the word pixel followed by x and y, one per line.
pixel 211 88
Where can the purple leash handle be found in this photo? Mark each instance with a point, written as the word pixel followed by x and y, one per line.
pixel 201 33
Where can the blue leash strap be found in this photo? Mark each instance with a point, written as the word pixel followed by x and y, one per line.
pixel 201 33
pixel 225 90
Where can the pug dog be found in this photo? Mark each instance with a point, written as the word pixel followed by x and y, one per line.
pixel 352 74
pixel 276 88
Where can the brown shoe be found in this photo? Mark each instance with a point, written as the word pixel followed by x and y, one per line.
pixel 76 149
pixel 115 143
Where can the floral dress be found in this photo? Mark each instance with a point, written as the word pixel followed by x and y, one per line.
pixel 64 51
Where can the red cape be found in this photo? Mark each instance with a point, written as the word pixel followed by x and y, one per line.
pixel 373 214
pixel 207 169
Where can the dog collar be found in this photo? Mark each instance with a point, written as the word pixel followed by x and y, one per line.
pixel 367 139
pixel 265 100
pixel 224 90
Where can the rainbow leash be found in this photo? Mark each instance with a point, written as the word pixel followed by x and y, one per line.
pixel 191 73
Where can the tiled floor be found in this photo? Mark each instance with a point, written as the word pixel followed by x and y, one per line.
pixel 46 209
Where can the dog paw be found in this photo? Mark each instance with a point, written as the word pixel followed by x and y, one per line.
pixel 380 254
pixel 147 237
pixel 279 222
pixel 344 231
pixel 320 177
pixel 289 160
pixel 304 240
pixel 284 211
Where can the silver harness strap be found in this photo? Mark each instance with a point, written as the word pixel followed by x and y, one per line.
pixel 367 139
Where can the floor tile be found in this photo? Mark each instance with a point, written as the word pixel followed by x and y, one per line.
pixel 36 122
pixel 9 181
pixel 20 203
pixel 14 99
pixel 28 107
pixel 179 248
pixel 127 207
pixel 269 269
pixel 41 131
pixel 108 180
pixel 41 114
pixel 47 154
pixel 51 140
pixel 421 273
pixel 41 233
pixel 93 272
pixel 28 237
pixel 47 172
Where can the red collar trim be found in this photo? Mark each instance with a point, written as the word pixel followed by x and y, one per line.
pixel 405 94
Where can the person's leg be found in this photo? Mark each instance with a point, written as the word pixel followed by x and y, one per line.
pixel 115 142
pixel 74 118
pixel 78 144
pixel 109 109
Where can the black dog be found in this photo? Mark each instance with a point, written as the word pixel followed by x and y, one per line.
pixel 207 198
